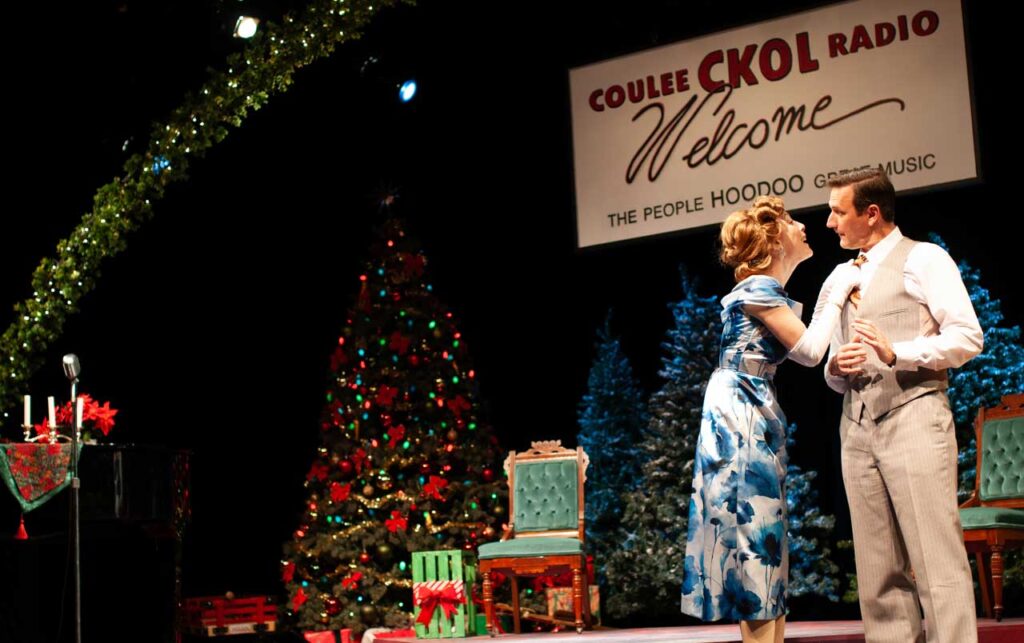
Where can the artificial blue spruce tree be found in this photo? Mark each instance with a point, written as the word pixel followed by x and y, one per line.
pixel 611 417
pixel 997 371
pixel 981 382
pixel 645 575
pixel 811 570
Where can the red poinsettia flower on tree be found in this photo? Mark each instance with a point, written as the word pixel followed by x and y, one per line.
pixel 352 581
pixel 399 343
pixel 340 492
pixel 396 522
pixel 433 488
pixel 396 433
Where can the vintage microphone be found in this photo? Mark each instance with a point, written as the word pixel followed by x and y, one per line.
pixel 72 368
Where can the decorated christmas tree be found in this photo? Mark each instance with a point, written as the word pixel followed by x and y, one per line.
pixel 646 574
pixel 405 463
pixel 612 415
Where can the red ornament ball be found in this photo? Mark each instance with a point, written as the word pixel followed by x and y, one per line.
pixel 364 557
pixel 414 360
pixel 488 475
pixel 425 467
pixel 346 467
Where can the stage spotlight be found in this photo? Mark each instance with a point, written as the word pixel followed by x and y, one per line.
pixel 246 27
pixel 407 91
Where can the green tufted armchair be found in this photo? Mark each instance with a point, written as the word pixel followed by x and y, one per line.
pixel 545 532
pixel 993 517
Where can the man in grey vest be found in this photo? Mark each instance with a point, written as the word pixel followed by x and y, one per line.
pixel 910 321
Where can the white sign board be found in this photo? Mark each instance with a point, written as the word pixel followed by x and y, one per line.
pixel 682 135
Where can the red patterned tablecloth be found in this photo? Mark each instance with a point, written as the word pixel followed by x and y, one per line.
pixel 35 472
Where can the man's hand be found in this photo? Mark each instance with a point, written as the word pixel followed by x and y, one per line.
pixel 848 358
pixel 873 336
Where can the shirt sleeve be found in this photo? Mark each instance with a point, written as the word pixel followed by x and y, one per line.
pixel 838 384
pixel 933 278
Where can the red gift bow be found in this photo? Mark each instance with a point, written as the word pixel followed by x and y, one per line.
pixel 446 594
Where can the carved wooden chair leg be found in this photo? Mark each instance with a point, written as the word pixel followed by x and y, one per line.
pixel 577 598
pixel 515 603
pixel 997 581
pixel 492 627
pixel 985 580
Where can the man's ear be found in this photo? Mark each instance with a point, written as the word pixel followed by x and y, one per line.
pixel 874 214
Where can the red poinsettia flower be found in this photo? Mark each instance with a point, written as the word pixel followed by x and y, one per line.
pixel 352 582
pixel 412 264
pixel 458 405
pixel 359 459
pixel 94 415
pixel 299 599
pixel 43 427
pixel 433 488
pixel 399 343
pixel 396 433
pixel 288 572
pixel 318 471
pixel 396 522
pixel 340 492
pixel 338 359
pixel 386 395
pixel 66 414
pixel 104 417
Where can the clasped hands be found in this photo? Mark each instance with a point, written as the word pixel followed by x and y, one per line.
pixel 851 355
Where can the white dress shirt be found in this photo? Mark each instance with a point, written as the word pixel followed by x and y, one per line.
pixel 931 278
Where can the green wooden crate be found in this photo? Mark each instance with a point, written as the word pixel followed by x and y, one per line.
pixel 446 566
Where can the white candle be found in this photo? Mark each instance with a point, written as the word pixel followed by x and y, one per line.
pixel 28 411
pixel 52 411
pixel 78 413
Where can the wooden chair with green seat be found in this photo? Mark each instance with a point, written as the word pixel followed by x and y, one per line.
pixel 993 517
pixel 545 532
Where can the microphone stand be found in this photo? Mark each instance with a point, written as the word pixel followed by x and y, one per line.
pixel 76 440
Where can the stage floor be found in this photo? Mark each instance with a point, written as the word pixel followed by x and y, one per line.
pixel 1007 631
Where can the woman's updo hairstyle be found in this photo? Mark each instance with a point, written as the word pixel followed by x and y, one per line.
pixel 750 238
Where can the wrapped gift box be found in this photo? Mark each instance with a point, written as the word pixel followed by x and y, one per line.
pixel 560 602
pixel 329 636
pixel 442 585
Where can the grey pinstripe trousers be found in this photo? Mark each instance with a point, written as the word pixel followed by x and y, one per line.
pixel 900 477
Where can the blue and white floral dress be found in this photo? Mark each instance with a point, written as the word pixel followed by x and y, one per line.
pixel 737 562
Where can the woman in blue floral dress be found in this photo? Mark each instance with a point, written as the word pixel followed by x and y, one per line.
pixel 736 563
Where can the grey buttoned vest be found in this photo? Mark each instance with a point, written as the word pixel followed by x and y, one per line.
pixel 885 301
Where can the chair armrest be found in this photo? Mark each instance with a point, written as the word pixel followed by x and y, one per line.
pixel 973 501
